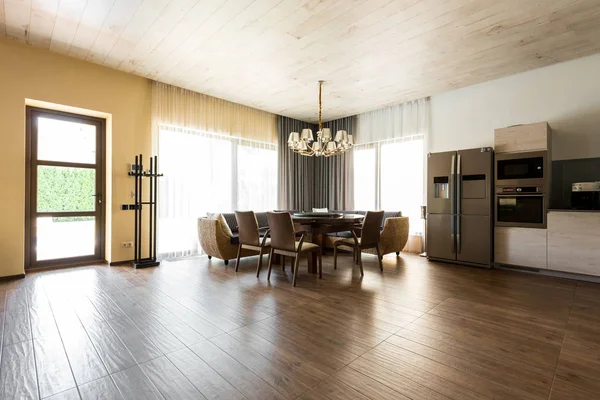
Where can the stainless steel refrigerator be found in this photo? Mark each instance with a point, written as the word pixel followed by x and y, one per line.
pixel 459 206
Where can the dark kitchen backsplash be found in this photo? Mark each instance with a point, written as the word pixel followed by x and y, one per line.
pixel 567 172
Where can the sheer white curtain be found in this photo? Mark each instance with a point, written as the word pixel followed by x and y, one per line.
pixel 206 173
pixel 216 156
pixel 389 160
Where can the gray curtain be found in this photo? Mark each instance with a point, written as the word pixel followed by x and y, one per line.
pixel 334 176
pixel 296 172
pixel 307 182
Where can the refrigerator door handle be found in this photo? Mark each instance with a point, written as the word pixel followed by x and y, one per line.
pixel 453 202
pixel 452 188
pixel 458 201
pixel 452 235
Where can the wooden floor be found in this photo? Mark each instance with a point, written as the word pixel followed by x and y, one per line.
pixel 195 329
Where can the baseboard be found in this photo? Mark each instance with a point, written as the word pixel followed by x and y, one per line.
pixel 12 277
pixel 120 263
pixel 549 272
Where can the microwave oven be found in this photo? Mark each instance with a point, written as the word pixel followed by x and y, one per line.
pixel 521 169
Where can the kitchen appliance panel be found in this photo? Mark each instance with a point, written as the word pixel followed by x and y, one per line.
pixel 525 210
pixel 441 240
pixel 441 168
pixel 473 242
pixel 583 200
pixel 474 181
pixel 522 169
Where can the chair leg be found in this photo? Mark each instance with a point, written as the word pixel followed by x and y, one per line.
pixel 295 270
pixel 334 256
pixel 379 258
pixel 397 253
pixel 270 264
pixel 237 262
pixel 292 265
pixel 321 264
pixel 226 262
pixel 283 263
pixel 260 256
pixel 362 272
pixel 357 249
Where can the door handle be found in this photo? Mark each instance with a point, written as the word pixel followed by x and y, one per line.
pixel 452 188
pixel 458 201
pixel 98 197
pixel 452 235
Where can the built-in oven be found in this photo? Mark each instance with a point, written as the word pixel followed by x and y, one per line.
pixel 523 206
pixel 521 169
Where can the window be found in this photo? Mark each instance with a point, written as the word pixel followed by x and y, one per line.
pixel 389 176
pixel 204 173
pixel 256 177
pixel 365 177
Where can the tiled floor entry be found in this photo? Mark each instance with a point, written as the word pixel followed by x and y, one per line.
pixel 195 329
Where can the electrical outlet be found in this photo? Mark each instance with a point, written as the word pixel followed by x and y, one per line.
pixel 126 245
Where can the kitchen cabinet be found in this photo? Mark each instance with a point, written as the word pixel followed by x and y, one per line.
pixel 521 138
pixel 574 242
pixel 525 247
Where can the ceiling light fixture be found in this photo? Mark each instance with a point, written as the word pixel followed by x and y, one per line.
pixel 325 145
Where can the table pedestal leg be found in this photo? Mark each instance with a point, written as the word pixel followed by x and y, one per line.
pixel 318 240
pixel 312 262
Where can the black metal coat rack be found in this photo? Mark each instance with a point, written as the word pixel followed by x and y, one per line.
pixel 137 171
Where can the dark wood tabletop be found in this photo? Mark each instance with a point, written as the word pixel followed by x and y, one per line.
pixel 318 225
pixel 328 219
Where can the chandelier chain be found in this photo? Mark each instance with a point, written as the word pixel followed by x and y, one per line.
pixel 320 105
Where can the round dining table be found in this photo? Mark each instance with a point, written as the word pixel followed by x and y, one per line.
pixel 321 223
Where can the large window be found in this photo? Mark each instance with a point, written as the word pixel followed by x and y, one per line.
pixel 365 178
pixel 209 173
pixel 389 176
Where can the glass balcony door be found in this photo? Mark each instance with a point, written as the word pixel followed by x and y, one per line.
pixel 65 188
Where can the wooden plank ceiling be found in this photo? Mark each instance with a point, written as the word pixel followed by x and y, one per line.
pixel 269 54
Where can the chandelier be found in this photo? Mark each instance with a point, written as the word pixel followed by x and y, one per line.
pixel 325 145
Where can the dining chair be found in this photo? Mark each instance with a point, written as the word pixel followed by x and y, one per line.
pixel 283 242
pixel 249 236
pixel 370 232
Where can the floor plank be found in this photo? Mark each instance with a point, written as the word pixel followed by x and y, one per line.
pixel 53 369
pixel 134 384
pixel 18 378
pixel 208 382
pixel 194 328
pixel 103 388
pixel 169 381
pixel 242 378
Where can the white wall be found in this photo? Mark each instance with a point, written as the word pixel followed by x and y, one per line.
pixel 567 95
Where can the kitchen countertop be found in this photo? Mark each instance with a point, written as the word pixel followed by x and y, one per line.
pixel 572 210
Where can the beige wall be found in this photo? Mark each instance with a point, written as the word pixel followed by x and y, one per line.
pixel 567 95
pixel 28 73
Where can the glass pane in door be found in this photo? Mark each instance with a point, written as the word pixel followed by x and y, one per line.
pixel 64 237
pixel 65 189
pixel 66 141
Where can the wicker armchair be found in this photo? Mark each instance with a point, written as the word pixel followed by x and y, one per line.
pixel 217 244
pixel 393 237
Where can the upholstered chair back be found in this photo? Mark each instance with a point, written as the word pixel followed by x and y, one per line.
pixel 371 228
pixel 247 227
pixel 283 235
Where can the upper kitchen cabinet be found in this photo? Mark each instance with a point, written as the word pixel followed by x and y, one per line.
pixel 521 138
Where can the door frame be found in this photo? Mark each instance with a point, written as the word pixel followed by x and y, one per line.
pixel 31 189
